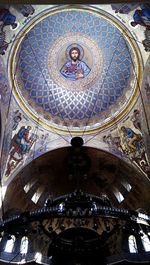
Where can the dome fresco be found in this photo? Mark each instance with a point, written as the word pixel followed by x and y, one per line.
pixel 75 93
pixel 47 81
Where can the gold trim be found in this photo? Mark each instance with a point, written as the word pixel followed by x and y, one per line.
pixel 129 39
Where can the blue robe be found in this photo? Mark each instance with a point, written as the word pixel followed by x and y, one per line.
pixel 139 16
pixel 7 17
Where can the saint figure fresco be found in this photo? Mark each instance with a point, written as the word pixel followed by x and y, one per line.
pixel 75 68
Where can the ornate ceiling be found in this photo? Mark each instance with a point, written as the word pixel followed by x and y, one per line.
pixel 90 169
pixel 48 97
pixel 61 100
pixel 74 113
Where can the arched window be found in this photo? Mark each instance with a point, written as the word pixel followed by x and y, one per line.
pixel 2 192
pixel 132 244
pixel 37 194
pixel 145 241
pixel 29 185
pixel 10 244
pixel 127 186
pixel 118 195
pixel 24 245
pixel 38 257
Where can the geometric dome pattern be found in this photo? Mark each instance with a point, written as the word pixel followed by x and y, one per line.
pixel 42 91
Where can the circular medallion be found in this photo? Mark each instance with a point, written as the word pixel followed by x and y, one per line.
pixel 79 72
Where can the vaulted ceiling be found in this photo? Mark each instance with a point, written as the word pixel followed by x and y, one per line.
pixel 46 101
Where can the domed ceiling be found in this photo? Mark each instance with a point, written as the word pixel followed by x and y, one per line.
pixel 92 170
pixel 89 91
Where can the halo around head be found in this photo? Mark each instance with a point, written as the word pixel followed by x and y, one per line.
pixel 74 45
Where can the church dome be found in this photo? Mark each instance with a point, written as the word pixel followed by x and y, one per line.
pixel 89 93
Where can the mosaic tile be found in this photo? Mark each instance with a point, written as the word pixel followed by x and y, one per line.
pixel 35 72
